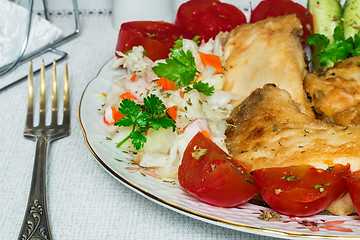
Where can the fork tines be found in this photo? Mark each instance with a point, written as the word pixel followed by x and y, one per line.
pixel 43 134
pixel 54 98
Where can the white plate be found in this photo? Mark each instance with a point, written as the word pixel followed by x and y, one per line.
pixel 169 194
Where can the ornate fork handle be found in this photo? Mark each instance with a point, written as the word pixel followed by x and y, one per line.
pixel 36 221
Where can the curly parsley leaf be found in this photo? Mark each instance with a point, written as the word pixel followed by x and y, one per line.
pixel 339 33
pixel 178 43
pixel 134 115
pixel 138 139
pixel 157 109
pixel 154 105
pixel 163 121
pixel 356 50
pixel 196 39
pixel 336 51
pixel 319 40
pixel 142 117
pixel 332 52
pixel 201 87
pixel 180 68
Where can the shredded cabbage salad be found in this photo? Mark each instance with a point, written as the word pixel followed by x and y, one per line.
pixel 196 111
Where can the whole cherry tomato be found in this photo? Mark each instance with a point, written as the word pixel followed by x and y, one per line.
pixel 211 175
pixel 156 37
pixel 300 190
pixel 275 8
pixel 208 17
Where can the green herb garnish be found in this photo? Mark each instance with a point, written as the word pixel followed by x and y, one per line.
pixel 339 49
pixel 321 186
pixel 180 68
pixel 290 178
pixel 142 117
pixel 201 87
pixel 179 42
pixel 199 153
pixel 127 53
pixel 196 39
pixel 266 216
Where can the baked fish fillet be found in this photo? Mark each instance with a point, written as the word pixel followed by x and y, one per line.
pixel 268 51
pixel 268 130
pixel 336 93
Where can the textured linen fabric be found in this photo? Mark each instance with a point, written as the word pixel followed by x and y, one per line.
pixel 84 201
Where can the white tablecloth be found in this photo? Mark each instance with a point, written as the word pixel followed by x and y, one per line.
pixel 84 201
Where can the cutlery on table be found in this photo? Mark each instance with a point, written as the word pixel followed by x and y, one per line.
pixel 36 222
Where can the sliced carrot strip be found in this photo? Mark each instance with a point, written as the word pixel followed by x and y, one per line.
pixel 212 60
pixel 133 78
pixel 167 84
pixel 116 115
pixel 128 95
pixel 206 134
pixel 105 121
pixel 172 112
pixel 182 94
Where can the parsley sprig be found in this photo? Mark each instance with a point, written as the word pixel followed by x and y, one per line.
pixel 201 87
pixel 142 117
pixel 332 52
pixel 180 68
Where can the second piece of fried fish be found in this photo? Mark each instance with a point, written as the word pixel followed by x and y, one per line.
pixel 268 51
pixel 336 92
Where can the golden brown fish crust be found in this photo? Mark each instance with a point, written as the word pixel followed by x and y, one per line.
pixel 268 51
pixel 336 93
pixel 268 130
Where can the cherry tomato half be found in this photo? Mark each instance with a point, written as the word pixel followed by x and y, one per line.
pixel 212 176
pixel 353 185
pixel 208 17
pixel 300 190
pixel 275 8
pixel 156 37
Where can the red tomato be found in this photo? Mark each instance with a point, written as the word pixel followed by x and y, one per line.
pixel 274 8
pixel 208 17
pixel 353 185
pixel 300 190
pixel 212 176
pixel 156 37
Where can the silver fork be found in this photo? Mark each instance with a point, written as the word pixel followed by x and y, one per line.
pixel 36 221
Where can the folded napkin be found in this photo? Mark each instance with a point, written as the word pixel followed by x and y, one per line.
pixel 13 23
